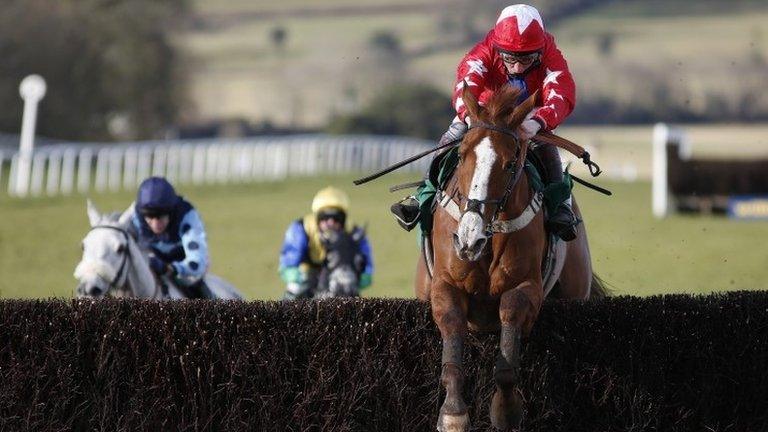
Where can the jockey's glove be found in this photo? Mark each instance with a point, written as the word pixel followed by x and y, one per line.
pixel 455 132
pixel 296 290
pixel 159 267
pixel 365 280
pixel 528 129
pixel 292 275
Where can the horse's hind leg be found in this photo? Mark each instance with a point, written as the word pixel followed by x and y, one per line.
pixel 517 311
pixel 576 276
pixel 449 310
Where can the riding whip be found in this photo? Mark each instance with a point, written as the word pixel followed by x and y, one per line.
pixel 413 158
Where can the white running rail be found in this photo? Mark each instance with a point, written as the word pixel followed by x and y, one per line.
pixel 63 169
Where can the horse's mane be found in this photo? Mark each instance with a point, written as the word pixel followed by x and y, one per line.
pixel 502 104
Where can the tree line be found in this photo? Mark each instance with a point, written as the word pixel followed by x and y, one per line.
pixel 111 69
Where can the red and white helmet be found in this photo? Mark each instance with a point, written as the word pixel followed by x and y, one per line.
pixel 519 29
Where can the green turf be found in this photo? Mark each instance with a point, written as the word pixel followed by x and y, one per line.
pixel 39 240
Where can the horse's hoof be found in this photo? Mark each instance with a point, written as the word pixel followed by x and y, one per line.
pixel 453 422
pixel 507 412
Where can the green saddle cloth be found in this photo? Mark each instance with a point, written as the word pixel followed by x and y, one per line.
pixel 442 168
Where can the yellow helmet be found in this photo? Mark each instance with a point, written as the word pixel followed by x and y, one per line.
pixel 330 197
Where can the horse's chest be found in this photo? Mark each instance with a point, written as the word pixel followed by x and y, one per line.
pixel 491 278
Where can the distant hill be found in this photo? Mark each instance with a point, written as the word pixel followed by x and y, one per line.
pixel 297 62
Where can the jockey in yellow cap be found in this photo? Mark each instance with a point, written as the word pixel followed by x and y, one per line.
pixel 303 254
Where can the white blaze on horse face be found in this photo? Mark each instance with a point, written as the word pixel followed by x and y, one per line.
pixel 471 227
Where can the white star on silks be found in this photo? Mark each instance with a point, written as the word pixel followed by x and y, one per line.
pixel 551 107
pixel 551 77
pixel 476 66
pixel 553 94
pixel 469 82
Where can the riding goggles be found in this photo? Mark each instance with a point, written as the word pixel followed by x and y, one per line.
pixel 336 216
pixel 523 59
pixel 154 213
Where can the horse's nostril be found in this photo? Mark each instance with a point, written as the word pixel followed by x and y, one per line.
pixel 95 291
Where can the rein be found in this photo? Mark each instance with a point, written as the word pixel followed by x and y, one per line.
pixel 125 254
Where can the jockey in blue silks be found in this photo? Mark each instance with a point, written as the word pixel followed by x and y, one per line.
pixel 171 229
pixel 303 254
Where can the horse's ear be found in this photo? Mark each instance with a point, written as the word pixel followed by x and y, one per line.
pixel 470 101
pixel 94 217
pixel 523 110
pixel 125 218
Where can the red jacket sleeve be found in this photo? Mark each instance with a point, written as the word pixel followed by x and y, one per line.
pixel 479 70
pixel 558 90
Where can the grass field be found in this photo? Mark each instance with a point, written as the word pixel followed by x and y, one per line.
pixel 636 254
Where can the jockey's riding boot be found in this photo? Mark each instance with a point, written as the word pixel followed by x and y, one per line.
pixel 563 222
pixel 407 211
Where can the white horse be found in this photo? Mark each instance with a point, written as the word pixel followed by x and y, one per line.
pixel 113 264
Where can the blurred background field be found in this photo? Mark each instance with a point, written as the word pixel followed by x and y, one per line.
pixel 141 70
pixel 632 57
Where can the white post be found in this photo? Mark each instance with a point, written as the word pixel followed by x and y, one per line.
pixel 38 172
pixel 660 187
pixel 68 171
pixel 159 161
pixel 222 163
pixel 243 162
pixel 198 164
pixel 85 159
pixel 12 174
pixel 115 175
pixel 211 160
pixel 53 182
pixel 32 90
pixel 130 163
pixel 102 169
pixel 185 163
pixel 143 168
pixel 258 161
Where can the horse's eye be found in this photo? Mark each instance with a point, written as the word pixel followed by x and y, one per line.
pixel 121 249
pixel 508 166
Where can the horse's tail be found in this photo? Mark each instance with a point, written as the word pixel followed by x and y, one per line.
pixel 598 288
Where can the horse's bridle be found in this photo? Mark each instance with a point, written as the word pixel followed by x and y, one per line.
pixel 125 253
pixel 515 171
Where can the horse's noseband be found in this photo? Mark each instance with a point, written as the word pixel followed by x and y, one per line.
pixel 474 205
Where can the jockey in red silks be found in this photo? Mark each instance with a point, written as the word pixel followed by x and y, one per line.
pixel 517 52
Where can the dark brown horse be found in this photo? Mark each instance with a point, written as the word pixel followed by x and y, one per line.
pixel 486 277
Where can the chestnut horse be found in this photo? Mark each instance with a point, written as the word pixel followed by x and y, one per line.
pixel 485 280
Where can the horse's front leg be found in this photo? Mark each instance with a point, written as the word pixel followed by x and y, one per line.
pixel 518 310
pixel 449 310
